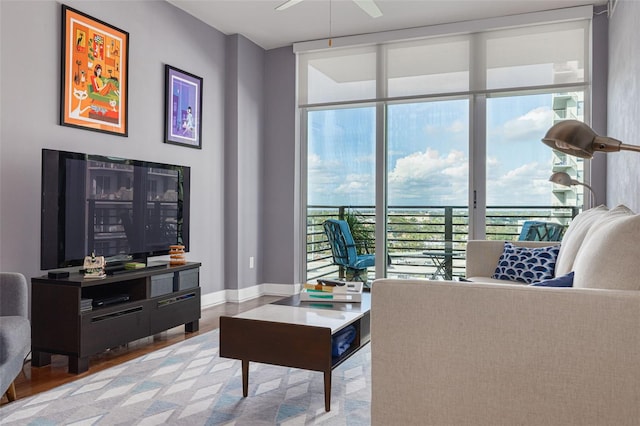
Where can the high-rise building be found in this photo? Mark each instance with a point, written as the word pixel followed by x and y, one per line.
pixel 568 105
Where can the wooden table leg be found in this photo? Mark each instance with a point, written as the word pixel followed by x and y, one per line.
pixel 327 390
pixel 245 377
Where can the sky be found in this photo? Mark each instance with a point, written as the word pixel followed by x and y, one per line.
pixel 428 153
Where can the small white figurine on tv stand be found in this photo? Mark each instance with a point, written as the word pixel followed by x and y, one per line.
pixel 94 266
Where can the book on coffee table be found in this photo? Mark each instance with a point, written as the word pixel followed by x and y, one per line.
pixel 349 292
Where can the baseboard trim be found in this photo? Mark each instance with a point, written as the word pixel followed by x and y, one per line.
pixel 249 293
pixel 212 299
pixel 271 289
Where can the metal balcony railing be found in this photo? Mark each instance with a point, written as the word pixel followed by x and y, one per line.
pixel 422 241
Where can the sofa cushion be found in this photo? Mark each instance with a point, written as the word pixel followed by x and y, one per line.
pixel 526 264
pixel 563 281
pixel 610 254
pixel 574 236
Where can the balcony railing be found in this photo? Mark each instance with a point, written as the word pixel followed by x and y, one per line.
pixel 422 241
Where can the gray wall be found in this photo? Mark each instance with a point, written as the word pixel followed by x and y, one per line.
pixel 243 162
pixel 281 236
pixel 159 34
pixel 623 168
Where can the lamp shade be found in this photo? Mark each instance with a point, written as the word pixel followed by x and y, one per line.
pixel 562 178
pixel 576 138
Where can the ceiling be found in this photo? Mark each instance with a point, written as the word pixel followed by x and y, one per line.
pixel 309 20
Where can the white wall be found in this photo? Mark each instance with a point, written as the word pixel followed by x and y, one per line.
pixel 30 80
pixel 623 168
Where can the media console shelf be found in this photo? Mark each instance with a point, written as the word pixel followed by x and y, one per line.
pixel 136 304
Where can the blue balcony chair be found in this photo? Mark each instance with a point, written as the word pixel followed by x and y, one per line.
pixel 533 230
pixel 344 252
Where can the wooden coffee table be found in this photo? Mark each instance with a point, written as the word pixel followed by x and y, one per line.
pixel 294 334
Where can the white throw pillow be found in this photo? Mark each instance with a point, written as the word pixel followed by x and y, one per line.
pixel 610 253
pixel 574 236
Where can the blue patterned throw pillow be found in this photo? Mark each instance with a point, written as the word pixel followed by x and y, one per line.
pixel 525 264
pixel 562 281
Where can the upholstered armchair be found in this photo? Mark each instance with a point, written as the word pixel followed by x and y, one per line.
pixel 15 330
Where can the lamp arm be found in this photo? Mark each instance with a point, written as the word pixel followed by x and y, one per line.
pixel 593 193
pixel 625 147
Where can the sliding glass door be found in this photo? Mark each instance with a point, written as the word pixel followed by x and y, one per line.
pixel 427 187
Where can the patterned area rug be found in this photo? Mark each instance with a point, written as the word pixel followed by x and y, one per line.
pixel 189 384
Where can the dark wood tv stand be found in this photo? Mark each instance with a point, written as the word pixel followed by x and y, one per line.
pixel 159 298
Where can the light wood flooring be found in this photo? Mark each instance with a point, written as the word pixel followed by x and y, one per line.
pixel 34 380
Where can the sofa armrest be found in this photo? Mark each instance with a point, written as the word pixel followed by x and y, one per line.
pixel 476 354
pixel 14 294
pixel 483 255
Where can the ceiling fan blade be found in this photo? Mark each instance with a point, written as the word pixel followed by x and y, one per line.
pixel 370 7
pixel 287 4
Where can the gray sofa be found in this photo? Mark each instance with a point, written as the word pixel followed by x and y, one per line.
pixel 15 330
pixel 494 352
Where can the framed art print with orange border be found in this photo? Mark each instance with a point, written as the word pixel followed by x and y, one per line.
pixel 95 61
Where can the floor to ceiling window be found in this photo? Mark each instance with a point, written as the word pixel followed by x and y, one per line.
pixel 341 167
pixel 518 167
pixel 444 133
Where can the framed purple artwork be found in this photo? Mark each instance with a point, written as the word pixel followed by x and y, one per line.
pixel 183 108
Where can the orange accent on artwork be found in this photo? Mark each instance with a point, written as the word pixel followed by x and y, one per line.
pixel 95 79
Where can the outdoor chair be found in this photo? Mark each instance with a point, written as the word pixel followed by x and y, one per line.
pixel 344 251
pixel 533 230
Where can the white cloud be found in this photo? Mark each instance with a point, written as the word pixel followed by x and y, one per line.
pixel 534 124
pixel 457 126
pixel 525 185
pixel 332 182
pixel 492 162
pixel 356 183
pixel 422 165
pixel 322 177
pixel 429 178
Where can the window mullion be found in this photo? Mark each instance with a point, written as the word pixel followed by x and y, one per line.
pixel 381 165
pixel 477 138
pixel 477 167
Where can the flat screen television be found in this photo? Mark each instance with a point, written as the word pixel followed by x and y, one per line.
pixel 125 210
